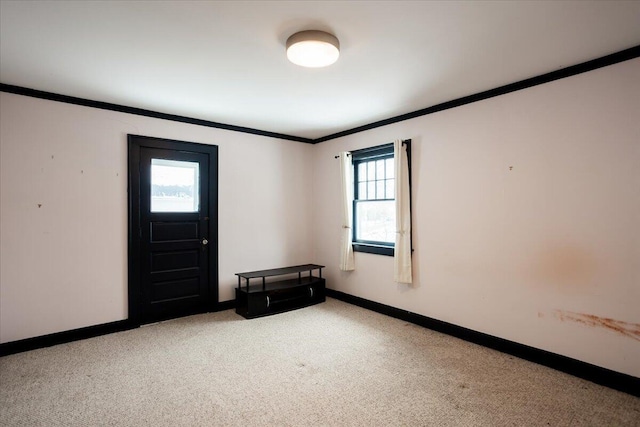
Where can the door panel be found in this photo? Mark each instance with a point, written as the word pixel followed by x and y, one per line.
pixel 162 292
pixel 175 247
pixel 174 231
pixel 169 261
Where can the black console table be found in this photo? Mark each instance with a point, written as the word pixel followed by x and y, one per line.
pixel 264 298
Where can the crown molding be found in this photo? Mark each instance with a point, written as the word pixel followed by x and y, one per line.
pixel 604 61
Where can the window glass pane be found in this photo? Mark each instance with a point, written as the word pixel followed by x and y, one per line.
pixel 371 190
pixel 376 221
pixel 390 189
pixel 390 166
pixel 371 175
pixel 174 186
pixel 362 172
pixel 380 169
pixel 380 189
pixel 362 190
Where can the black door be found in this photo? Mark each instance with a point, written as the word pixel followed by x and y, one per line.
pixel 172 229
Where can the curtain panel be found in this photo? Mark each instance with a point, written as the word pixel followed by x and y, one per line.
pixel 402 253
pixel 346 244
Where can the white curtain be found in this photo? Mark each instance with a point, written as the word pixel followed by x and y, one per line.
pixel 346 245
pixel 402 252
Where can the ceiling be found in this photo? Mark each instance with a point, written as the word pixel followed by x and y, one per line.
pixel 225 61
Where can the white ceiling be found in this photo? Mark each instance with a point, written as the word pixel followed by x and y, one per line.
pixel 226 62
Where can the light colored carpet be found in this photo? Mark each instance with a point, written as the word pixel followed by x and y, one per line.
pixel 332 364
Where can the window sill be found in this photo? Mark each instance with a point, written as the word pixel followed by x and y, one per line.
pixel 373 249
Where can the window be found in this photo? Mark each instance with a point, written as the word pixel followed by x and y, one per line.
pixel 374 207
pixel 174 186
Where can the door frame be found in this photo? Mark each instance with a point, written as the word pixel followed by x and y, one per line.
pixel 135 144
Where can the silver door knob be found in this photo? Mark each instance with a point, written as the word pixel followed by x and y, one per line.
pixel 205 242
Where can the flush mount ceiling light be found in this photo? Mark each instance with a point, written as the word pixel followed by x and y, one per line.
pixel 313 49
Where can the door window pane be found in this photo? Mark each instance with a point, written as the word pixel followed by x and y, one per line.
pixel 175 186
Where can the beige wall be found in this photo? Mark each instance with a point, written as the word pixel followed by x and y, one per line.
pixel 526 214
pixel 63 210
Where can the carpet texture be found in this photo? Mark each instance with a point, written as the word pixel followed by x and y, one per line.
pixel 332 364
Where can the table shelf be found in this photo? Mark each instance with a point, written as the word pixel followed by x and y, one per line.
pixel 265 298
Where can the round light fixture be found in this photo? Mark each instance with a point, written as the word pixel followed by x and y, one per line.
pixel 313 49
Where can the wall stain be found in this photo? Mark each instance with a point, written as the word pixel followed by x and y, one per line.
pixel 631 330
pixel 565 266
